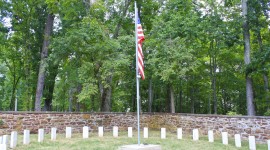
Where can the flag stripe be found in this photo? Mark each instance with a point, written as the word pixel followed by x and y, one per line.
pixel 140 37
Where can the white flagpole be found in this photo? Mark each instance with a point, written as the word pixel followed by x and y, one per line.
pixel 137 75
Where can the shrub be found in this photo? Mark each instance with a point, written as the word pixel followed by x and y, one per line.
pixel 267 113
pixel 232 113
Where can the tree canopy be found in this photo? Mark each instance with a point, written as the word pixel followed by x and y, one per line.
pixel 201 56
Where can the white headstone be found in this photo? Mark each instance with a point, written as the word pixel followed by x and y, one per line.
pixel 130 132
pixel 5 139
pixel 53 133
pixel 13 139
pixel 40 135
pixel 26 137
pixel 179 133
pixel 224 138
pixel 68 132
pixel 145 132
pixel 1 139
pixel 195 134
pixel 268 143
pixel 252 143
pixel 100 131
pixel 85 132
pixel 163 133
pixel 3 147
pixel 210 136
pixel 115 131
pixel 237 139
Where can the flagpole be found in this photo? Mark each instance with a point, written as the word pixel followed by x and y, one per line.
pixel 137 75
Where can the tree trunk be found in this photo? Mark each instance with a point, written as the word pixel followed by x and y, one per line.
pixel 43 61
pixel 214 85
pixel 172 106
pixel 180 100
pixel 213 68
pixel 116 32
pixel 78 90
pixel 106 96
pixel 150 95
pixel 107 92
pixel 49 85
pixel 70 99
pixel 249 88
pixel 13 95
pixel 192 106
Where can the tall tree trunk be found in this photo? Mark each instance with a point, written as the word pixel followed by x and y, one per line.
pixel 214 85
pixel 192 106
pixel 70 99
pixel 249 88
pixel 180 100
pixel 13 94
pixel 213 68
pixel 78 90
pixel 43 61
pixel 49 86
pixel 150 95
pixel 106 96
pixel 118 26
pixel 172 105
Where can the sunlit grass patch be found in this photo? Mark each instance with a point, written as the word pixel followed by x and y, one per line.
pixel 108 142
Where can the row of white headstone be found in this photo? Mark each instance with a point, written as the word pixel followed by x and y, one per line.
pixel 195 136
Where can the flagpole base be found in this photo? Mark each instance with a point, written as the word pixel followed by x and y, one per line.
pixel 140 147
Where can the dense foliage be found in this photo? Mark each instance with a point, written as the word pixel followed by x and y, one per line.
pixel 195 56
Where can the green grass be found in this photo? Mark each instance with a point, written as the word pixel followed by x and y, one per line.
pixel 108 142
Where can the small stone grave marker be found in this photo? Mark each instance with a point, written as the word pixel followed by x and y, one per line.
pixel 5 139
pixel 268 143
pixel 179 133
pixel 237 138
pixel 13 139
pixel 210 136
pixel 100 131
pixel 224 138
pixel 252 143
pixel 163 133
pixel 53 133
pixel 40 135
pixel 68 132
pixel 145 132
pixel 26 137
pixel 85 132
pixel 3 147
pixel 115 131
pixel 130 132
pixel 195 134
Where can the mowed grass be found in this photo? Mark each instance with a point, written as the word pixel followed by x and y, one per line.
pixel 108 142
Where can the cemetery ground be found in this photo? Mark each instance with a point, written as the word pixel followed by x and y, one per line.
pixel 108 142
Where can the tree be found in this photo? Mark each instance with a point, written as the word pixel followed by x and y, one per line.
pixel 246 34
pixel 43 61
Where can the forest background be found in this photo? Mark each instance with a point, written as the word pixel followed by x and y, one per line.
pixel 201 56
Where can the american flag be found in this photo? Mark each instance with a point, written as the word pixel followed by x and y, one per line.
pixel 140 53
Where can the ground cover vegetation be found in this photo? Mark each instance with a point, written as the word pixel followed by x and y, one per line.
pixel 108 142
pixel 201 56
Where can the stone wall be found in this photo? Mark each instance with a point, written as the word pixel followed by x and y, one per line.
pixel 18 121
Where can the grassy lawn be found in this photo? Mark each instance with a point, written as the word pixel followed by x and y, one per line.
pixel 108 142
